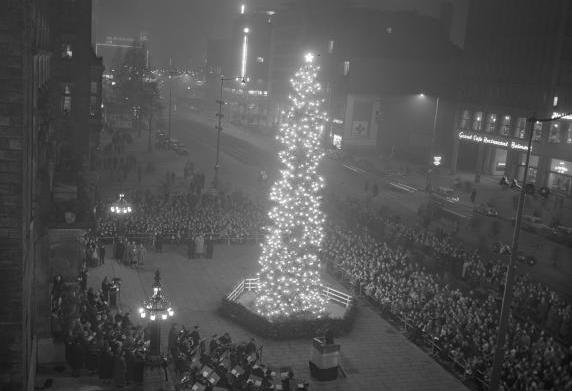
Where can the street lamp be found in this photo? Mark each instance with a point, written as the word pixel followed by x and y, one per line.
pixel 157 308
pixel 219 115
pixel 170 103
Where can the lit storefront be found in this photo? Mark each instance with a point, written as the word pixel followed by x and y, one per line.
pixel 560 176
pixel 495 144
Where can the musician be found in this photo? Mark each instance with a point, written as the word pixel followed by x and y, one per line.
pixel 195 336
pixel 225 339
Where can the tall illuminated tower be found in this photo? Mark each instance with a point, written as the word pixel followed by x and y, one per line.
pixel 290 283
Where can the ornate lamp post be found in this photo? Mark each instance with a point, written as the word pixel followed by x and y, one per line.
pixel 157 308
pixel 121 206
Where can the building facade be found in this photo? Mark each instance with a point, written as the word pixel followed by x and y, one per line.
pixel 25 137
pixel 390 78
pixel 50 92
pixel 76 81
pixel 517 65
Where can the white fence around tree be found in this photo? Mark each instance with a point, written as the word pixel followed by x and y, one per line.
pixel 251 284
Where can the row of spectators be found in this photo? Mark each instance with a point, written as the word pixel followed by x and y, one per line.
pixel 461 325
pixel 178 217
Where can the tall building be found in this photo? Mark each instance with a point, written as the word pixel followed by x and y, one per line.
pixel 113 49
pixel 25 137
pixel 49 119
pixel 390 76
pixel 76 80
pixel 244 55
pixel 518 64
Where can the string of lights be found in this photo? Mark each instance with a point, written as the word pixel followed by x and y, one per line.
pixel 290 282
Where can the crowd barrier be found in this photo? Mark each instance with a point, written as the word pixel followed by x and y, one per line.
pixel 251 284
pixel 147 238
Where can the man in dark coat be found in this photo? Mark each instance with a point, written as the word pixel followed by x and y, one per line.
pixel 195 336
pixel 119 369
pixel 172 339
pixel 210 247
pixel 191 248
pixel 101 253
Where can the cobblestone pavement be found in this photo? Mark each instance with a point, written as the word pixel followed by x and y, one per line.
pixel 374 355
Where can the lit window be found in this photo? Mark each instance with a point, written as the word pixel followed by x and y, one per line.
pixel 331 46
pixel 478 121
pixel 520 128
pixel 554 134
pixel 260 60
pixel 555 101
pixel 491 123
pixel 537 135
pixel 93 106
pixel 505 126
pixel 465 121
pixel 93 87
pixel 66 104
pixel 569 135
pixel 346 67
pixel 67 51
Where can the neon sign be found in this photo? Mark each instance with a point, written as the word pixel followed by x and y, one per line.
pixel 496 141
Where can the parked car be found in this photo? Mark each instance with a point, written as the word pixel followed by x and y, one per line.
pixel 486 210
pixel 448 193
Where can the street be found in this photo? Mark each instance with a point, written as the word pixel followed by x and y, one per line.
pixel 244 153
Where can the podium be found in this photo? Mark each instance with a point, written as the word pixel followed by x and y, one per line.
pixel 324 360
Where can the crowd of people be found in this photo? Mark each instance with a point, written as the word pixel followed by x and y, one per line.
pixel 178 217
pixel 460 324
pixel 98 338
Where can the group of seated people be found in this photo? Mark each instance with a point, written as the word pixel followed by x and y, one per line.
pixel 178 217
pixel 462 326
pixel 205 363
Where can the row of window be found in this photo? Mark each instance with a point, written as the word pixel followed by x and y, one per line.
pixel 558 132
pixel 67 99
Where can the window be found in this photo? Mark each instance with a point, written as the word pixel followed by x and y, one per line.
pixel 505 126
pixel 93 109
pixel 93 87
pixel 346 67
pixel 554 134
pixel 66 102
pixel 520 128
pixel 569 134
pixel 466 119
pixel 478 121
pixel 537 135
pixel 491 123
pixel 331 46
pixel 67 51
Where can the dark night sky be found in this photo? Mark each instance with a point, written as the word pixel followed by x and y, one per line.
pixel 179 28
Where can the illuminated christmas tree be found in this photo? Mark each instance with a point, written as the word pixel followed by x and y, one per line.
pixel 290 283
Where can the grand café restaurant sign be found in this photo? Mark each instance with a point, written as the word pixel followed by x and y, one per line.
pixel 479 138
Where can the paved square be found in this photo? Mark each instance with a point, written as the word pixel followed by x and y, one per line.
pixel 374 355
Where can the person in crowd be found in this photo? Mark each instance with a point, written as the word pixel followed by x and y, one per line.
pixel 141 254
pixel 101 252
pixel 199 245
pixel 191 247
